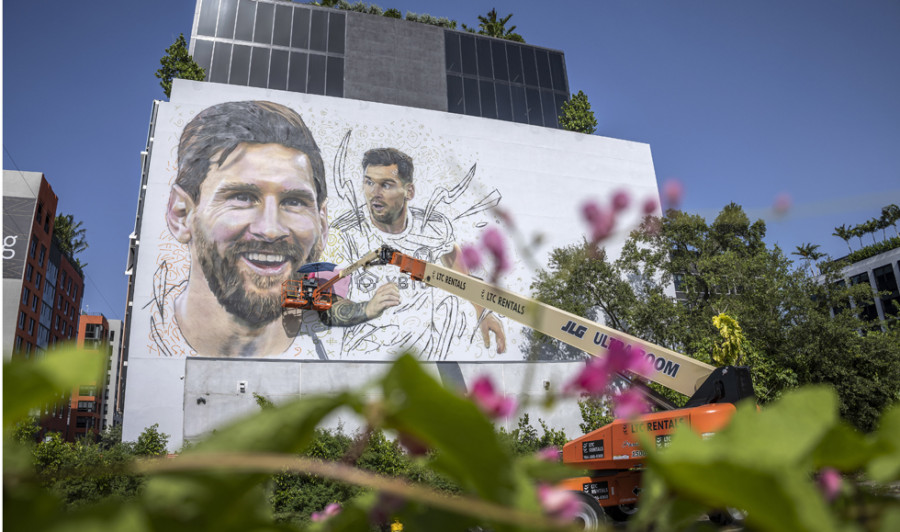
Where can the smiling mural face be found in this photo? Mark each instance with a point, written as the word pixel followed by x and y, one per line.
pixel 257 220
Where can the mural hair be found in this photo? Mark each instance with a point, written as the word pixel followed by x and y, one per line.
pixel 218 130
pixel 388 157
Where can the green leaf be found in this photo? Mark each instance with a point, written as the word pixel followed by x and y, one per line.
pixel 761 462
pixel 285 429
pixel 467 447
pixel 31 384
pixel 886 466
pixel 842 448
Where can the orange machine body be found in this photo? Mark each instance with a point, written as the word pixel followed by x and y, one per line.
pixel 306 294
pixel 614 454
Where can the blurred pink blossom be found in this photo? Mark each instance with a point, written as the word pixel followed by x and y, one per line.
pixel 592 379
pixel 493 241
pixel 782 204
pixel 673 191
pixel 562 504
pixel 830 483
pixel 492 403
pixel 629 404
pixel 650 205
pixel 471 257
pixel 549 454
pixel 600 220
pixel 621 359
pixel 620 201
pixel 331 510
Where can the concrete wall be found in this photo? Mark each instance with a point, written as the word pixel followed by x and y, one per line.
pixel 394 61
pixel 12 291
pixel 213 396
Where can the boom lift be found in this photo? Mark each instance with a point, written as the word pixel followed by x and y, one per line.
pixel 612 454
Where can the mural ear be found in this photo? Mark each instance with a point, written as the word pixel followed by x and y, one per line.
pixel 178 214
pixel 410 191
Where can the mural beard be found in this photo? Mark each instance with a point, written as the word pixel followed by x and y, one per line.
pixel 226 281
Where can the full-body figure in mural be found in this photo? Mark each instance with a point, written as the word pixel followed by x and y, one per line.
pixel 249 203
pixel 425 322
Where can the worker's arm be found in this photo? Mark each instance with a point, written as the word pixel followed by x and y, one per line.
pixel 347 313
pixel 489 323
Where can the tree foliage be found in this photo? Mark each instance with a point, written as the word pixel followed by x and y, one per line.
pixel 494 25
pixel 789 335
pixel 763 462
pixel 178 63
pixel 577 115
pixel 151 442
pixel 71 237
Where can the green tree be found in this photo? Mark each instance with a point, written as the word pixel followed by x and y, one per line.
pixel 785 314
pixel 151 442
pixel 595 413
pixel 809 253
pixel 845 234
pixel 178 63
pixel 891 215
pixel 493 25
pixel 71 236
pixel 577 115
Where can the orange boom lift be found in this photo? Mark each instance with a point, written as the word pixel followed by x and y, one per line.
pixel 612 455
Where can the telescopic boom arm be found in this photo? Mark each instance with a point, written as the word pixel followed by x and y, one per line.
pixel 670 369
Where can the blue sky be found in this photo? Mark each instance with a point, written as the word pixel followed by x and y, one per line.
pixel 740 101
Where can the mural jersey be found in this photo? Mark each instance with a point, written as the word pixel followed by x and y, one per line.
pixel 427 321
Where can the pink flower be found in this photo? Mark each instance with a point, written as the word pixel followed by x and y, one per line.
pixel 592 379
pixel 650 205
pixel 621 359
pixel 493 241
pixel 558 503
pixel 600 220
pixel 620 201
pixel 331 510
pixel 492 403
pixel 782 204
pixel 673 190
pixel 629 404
pixel 471 257
pixel 830 483
pixel 549 454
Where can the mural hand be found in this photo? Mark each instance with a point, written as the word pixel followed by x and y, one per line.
pixel 491 323
pixel 386 296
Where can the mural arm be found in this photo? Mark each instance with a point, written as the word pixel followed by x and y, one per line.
pixel 487 321
pixel 347 313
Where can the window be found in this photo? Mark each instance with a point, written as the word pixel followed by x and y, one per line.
pixel 66 308
pixel 29 269
pixel 37 280
pixel 57 323
pixel 25 293
pixel 22 320
pixel 30 326
pixel 42 255
pixel 27 348
pixel 34 303
pixel 32 249
pixel 87 390
pixel 86 406
pixel 18 346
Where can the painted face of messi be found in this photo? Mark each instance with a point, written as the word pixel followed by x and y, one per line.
pixel 256 222
pixel 386 196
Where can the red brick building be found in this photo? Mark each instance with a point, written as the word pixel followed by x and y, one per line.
pixel 42 285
